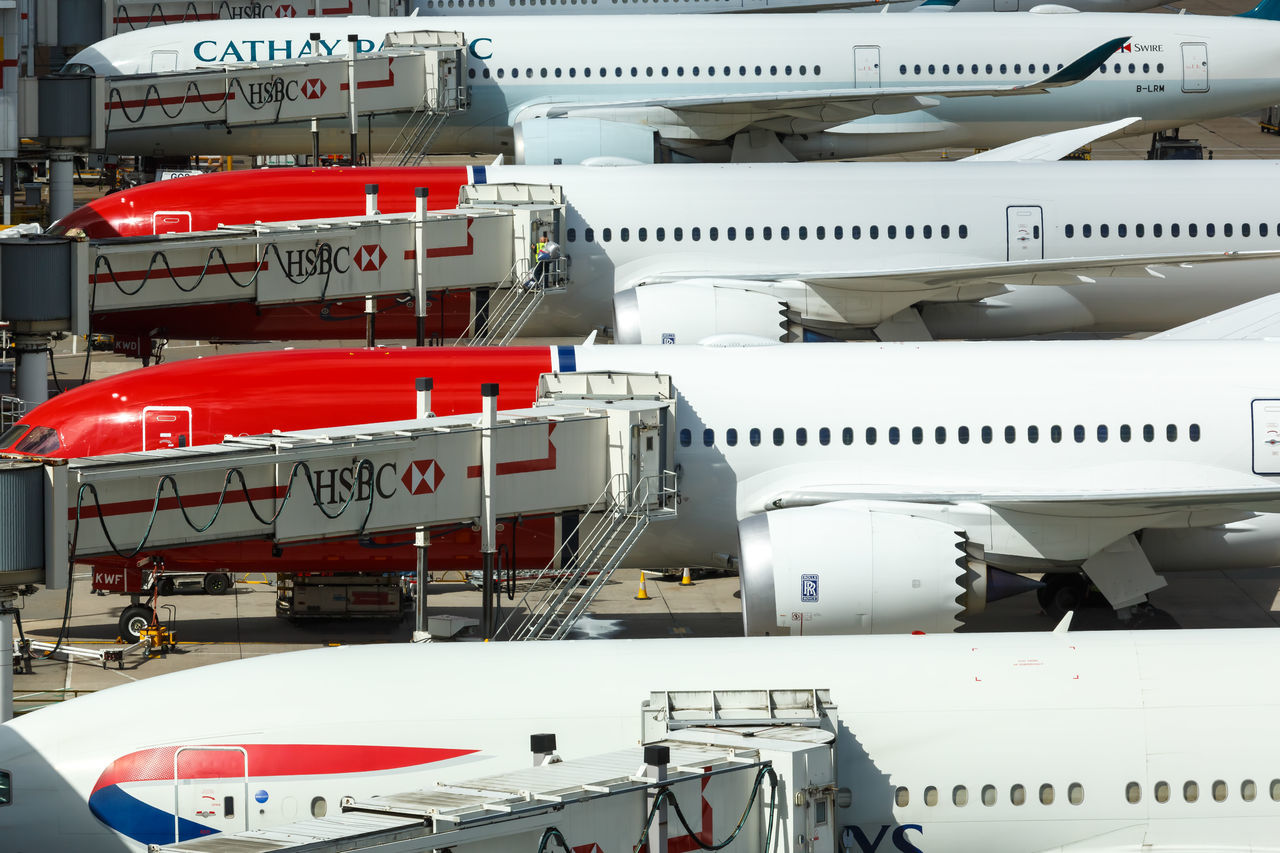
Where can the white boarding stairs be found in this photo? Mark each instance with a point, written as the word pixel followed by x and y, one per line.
pixel 558 597
pixel 513 302
pixel 447 97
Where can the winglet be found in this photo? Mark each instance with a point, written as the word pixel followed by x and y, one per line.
pixel 1051 146
pixel 1256 320
pixel 1267 10
pixel 1065 625
pixel 1086 65
pixel 937 5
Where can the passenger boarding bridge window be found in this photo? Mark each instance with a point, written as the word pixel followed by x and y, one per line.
pixel 731 437
pixel 755 436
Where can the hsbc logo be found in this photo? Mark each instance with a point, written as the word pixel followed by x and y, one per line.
pixel 423 477
pixel 285 10
pixel 370 258
pixel 313 89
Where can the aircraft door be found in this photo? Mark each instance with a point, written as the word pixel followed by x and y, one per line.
pixel 1266 436
pixel 164 60
pixel 1026 233
pixel 866 67
pixel 165 427
pixel 211 787
pixel 1195 67
pixel 171 222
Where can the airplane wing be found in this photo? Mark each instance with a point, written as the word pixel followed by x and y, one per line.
pixel 1050 146
pixel 1103 491
pixel 1050 271
pixel 1256 320
pixel 825 106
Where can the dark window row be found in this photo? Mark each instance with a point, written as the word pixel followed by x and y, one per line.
pixel 989 796
pixel 939 435
pixel 975 68
pixel 1219 790
pixel 1117 68
pixel 1139 229
pixel 651 71
pixel 767 232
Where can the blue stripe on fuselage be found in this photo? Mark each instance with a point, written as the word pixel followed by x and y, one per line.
pixel 568 359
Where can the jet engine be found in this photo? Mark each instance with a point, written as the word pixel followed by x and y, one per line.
pixel 686 312
pixel 845 569
pixel 551 141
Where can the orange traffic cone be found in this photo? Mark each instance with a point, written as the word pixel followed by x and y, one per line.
pixel 686 579
pixel 642 594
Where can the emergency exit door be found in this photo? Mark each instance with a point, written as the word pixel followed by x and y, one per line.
pixel 211 786
pixel 1195 67
pixel 1266 436
pixel 1026 233
pixel 866 67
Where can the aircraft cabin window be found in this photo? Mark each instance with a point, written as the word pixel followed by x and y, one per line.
pixel 319 808
pixel 817 69
pixel 1033 434
pixel 642 234
pixel 846 435
pixel 1139 230
pixel 679 70
pixel 696 71
pixel 773 70
pixel 902 798
pixel 824 436
pixel 788 70
pixel 940 435
pixel 1275 790
pixel 677 233
pixel 986 435
pixel 962 435
pixel 1010 434
pixel 758 71
pixel 1125 433
pixel 802 436
pixel 946 69
pixel 960 795
pixel 927 231
pixel 589 235
pixel 713 233
pixel 708 437
pixel 917 435
pixel 1148 432
pixel 963 231
pixel 1173 230
pixel 660 233
pixel 766 232
pixel 1133 793
pixel 1219 789
pixel 1046 794
pixel 666 72
pixel 1132 68
pixel 1244 229
pixel 909 231
pixel 571 234
pixel 543 73
pixel 1102 433
pixel 1075 793
pixel 1017 68
pixel 892 231
pixel 1121 230
pixel 731 233
pixel 871 435
pixel 1248 790
pixel 624 234
pixel 573 72
pixel 1055 433
pixel 1146 67
pixel 802 232
pixel 1262 229
pixel 742 71
pixel 1157 230
pixel 471 72
pixel 1078 433
pixel 778 436
pixel 1159 67
pixel 989 67
pixel 1171 432
pixel 1190 792
pixel 695 233
pixel 945 231
pixel 606 235
pixel 916 69
pixel 1017 795
pixel 820 233
pixel 1193 432
pixel 988 795
pixel 1162 792
pixel 802 70
pixel 634 72
pixel 930 796
pixel 856 232
pixel 686 438
pixel 500 73
pixel 894 435
pixel 749 232
pixel 648 71
pixel 1104 230
pixel 785 232
pixel 874 232
pixel 755 436
pixel 731 437
pixel 838 232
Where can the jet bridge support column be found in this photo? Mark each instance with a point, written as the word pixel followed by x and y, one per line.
pixel 7 597
pixel 33 376
pixel 61 184
pixel 420 538
pixel 353 42
pixel 420 253
pixel 370 304
pixel 488 468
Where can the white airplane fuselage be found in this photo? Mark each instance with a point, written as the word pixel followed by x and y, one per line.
pixel 1176 70
pixel 536 8
pixel 1090 742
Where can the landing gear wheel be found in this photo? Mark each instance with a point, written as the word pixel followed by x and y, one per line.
pixel 134 618
pixel 216 583
pixel 1062 593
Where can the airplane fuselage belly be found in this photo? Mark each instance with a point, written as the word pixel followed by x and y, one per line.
pixel 589 60
pixel 915 716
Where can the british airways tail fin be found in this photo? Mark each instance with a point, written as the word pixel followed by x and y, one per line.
pixel 1256 320
pixel 1268 10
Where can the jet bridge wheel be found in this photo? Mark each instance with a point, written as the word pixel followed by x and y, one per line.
pixel 1062 592
pixel 134 618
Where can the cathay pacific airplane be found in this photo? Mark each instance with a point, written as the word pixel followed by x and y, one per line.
pixel 1109 742
pixel 783 251
pixel 750 87
pixel 904 480
pixel 484 8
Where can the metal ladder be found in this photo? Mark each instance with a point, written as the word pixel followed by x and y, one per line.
pixel 517 297
pixel 413 142
pixel 557 597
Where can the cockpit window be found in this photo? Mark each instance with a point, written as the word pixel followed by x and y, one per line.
pixel 12 434
pixel 6 788
pixel 41 441
pixel 77 69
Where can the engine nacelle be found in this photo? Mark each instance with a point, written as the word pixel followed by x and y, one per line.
pixel 686 312
pixel 844 569
pixel 550 141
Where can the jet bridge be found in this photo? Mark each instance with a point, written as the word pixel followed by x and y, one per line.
pixel 736 768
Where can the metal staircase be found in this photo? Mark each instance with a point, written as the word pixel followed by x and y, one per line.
pixel 413 142
pixel 513 302
pixel 548 610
